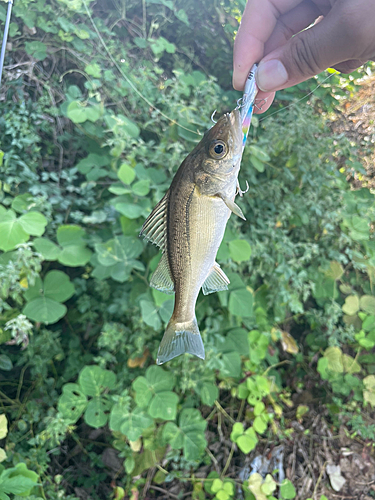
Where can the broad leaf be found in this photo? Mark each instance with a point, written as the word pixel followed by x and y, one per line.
pixel 72 403
pixel 94 380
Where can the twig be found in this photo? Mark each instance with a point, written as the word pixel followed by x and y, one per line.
pixel 157 488
pixel 213 458
pixel 319 479
pixel 229 459
pixel 221 409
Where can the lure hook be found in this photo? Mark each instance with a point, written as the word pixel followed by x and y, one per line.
pixel 240 191
pixel 212 116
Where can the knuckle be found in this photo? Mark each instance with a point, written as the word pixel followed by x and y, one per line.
pixel 304 54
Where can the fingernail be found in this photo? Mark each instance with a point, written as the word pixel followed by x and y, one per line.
pixel 271 75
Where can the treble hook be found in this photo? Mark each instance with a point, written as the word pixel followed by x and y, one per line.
pixel 239 190
pixel 261 102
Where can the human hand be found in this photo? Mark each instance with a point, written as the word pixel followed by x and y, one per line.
pixel 342 37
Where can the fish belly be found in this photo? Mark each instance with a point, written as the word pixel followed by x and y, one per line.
pixel 201 232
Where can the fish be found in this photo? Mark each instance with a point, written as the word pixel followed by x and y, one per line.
pixel 188 226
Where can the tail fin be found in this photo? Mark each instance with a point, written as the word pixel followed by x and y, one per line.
pixel 178 339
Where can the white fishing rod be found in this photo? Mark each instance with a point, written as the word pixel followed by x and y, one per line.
pixel 5 37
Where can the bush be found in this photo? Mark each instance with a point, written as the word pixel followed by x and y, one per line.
pixel 89 143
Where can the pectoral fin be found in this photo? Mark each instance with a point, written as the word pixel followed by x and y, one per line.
pixel 216 281
pixel 162 279
pixel 233 207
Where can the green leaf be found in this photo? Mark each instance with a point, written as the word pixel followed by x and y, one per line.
pixel 44 310
pixel 156 381
pixel 237 431
pixel 269 485
pixel 335 270
pixel 93 70
pixel 23 202
pixel 143 392
pixel 208 393
pixel 259 408
pixel 57 286
pixel 164 405
pixel 70 234
pixel 192 426
pixel 72 403
pixel 247 441
pixel 92 161
pixel 93 113
pixel 369 391
pixel 5 363
pixel 74 252
pixel 255 486
pixel 126 173
pixel 257 164
pixel 217 485
pixel 240 250
pixel 96 414
pixel 17 485
pixel 351 305
pixel 130 210
pixel 135 423
pixel 173 435
pixel 33 223
pixel 141 188
pixel 77 112
pixel 367 303
pixel 259 424
pixel 74 256
pixel 11 232
pixel 94 380
pixel 119 410
pixel 38 50
pixel 3 426
pixel 48 249
pixel 150 314
pixel 241 303
pixel 259 153
pixel 287 490
pixel 118 249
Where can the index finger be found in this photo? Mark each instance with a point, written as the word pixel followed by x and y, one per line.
pixel 258 22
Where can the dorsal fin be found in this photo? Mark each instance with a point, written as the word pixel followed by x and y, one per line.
pixel 216 281
pixel 154 228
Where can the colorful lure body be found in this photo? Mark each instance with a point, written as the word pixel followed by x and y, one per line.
pixel 247 104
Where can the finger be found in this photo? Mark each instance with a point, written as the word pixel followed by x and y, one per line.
pixel 349 66
pixel 326 44
pixel 258 22
pixel 291 23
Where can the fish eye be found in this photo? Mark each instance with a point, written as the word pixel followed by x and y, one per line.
pixel 218 149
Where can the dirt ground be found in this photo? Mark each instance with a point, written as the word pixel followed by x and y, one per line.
pixel 356 120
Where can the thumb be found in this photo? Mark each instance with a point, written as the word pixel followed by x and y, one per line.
pixel 326 44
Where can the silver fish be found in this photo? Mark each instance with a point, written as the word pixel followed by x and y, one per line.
pixel 188 226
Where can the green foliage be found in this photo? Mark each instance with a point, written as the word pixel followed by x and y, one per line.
pixel 86 152
pixel 93 381
pixel 44 298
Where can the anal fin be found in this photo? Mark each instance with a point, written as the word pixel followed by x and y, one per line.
pixel 216 281
pixel 233 207
pixel 162 279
